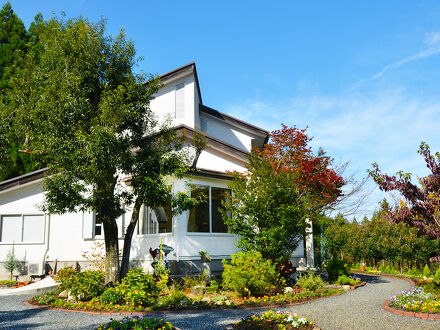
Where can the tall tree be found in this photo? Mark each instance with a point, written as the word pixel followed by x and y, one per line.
pixel 13 42
pixel 85 110
pixel 421 208
pixel 285 184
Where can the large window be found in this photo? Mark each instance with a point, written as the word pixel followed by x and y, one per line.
pixel 156 221
pixel 206 217
pixel 22 228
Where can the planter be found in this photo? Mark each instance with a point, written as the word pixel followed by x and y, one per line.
pixel 362 268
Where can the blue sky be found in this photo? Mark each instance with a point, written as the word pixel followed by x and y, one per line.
pixel 365 77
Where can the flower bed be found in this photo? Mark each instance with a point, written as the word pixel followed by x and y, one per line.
pixel 137 322
pixel 8 283
pixel 416 300
pixel 221 300
pixel 273 320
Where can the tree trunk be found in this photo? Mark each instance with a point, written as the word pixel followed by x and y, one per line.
pixel 127 239
pixel 111 250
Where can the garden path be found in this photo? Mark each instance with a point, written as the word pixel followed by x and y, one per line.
pixel 357 309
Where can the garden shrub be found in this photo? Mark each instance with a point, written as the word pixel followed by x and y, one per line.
pixel 213 287
pixel 335 268
pixel 437 275
pixel 111 296
pixel 273 320
pixel 426 271
pixel 174 298
pixel 310 282
pixel 387 269
pixel 344 280
pixel 250 274
pixel 137 322
pixel 66 276
pixel 138 288
pixel 382 268
pixel 87 285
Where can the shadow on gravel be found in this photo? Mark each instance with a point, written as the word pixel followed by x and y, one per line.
pixel 14 319
pixel 373 279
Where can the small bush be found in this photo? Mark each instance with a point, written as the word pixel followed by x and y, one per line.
pixel 382 268
pixel 344 280
pixel 335 268
pixel 87 285
pixel 66 276
pixel 437 275
pixel 387 270
pixel 273 320
pixel 426 271
pixel 174 298
pixel 310 282
pixel 250 274
pixel 138 288
pixel 111 296
pixel 213 286
pixel 137 322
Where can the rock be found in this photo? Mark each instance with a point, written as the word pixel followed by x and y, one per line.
pixel 206 299
pixel 184 301
pixel 346 287
pixel 198 290
pixel 288 289
pixel 227 303
pixel 63 294
pixel 219 302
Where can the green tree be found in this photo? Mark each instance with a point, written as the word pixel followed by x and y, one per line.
pixel 13 42
pixel 11 262
pixel 266 211
pixel 87 113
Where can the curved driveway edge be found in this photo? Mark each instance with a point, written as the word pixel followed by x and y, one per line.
pixel 355 309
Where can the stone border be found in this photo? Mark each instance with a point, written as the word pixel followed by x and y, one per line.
pixel 28 303
pixel 419 315
pixel 386 305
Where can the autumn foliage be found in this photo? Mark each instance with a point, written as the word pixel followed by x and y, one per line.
pixel 421 208
pixel 289 151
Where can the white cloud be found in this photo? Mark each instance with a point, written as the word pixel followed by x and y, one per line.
pixel 432 38
pixel 386 128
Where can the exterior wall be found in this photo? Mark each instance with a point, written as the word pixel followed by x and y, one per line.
pixel 228 133
pixel 164 103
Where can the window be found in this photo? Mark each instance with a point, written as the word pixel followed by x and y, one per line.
pixel 180 101
pixel 206 217
pixel 22 228
pixel 156 221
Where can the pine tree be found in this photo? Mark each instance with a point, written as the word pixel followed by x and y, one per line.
pixel 11 262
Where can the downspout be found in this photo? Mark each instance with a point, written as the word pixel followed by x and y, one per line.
pixel 43 262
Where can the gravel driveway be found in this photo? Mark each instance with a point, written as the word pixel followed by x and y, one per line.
pixel 358 309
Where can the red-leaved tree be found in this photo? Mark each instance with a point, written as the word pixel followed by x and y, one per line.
pixel 421 208
pixel 288 150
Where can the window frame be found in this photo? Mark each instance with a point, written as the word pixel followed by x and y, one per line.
pixel 21 242
pixel 147 212
pixel 210 233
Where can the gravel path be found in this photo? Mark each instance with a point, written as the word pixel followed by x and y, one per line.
pixel 357 309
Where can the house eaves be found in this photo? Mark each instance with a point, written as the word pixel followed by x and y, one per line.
pixel 235 122
pixel 22 179
pixel 216 144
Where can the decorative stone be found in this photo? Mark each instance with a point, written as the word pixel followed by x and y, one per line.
pixel 63 294
pixel 198 290
pixel 206 299
pixel 288 289
pixel 346 287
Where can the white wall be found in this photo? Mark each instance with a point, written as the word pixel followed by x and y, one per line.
pixel 163 104
pixel 228 133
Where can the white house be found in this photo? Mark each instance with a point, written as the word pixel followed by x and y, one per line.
pixel 41 240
